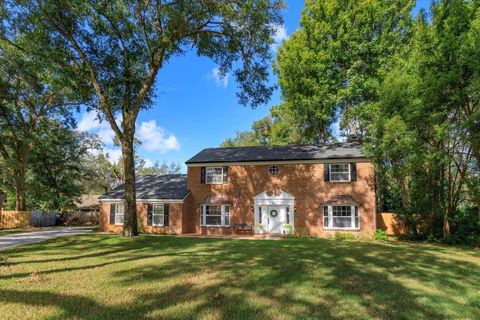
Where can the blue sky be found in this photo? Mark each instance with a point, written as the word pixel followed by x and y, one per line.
pixel 194 109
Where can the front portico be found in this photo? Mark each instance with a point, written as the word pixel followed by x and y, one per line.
pixel 274 212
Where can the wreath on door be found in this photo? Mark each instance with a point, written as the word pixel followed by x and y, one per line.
pixel 273 213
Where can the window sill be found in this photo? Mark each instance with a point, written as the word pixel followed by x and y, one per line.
pixel 341 229
pixel 342 181
pixel 157 225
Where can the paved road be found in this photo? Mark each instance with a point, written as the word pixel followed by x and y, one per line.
pixel 18 239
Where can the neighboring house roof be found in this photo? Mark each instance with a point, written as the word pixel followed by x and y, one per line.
pixel 155 186
pixel 88 201
pixel 278 153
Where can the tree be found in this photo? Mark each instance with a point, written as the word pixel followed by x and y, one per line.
pixel 29 92
pixel 424 127
pixel 56 166
pixel 157 168
pixel 332 66
pixel 120 47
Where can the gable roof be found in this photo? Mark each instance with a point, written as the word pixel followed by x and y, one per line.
pixel 278 153
pixel 154 186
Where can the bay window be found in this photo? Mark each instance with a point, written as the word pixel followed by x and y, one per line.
pixel 341 217
pixel 215 215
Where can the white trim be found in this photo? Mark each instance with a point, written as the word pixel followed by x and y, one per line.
pixel 330 216
pixel 115 216
pixel 203 217
pixel 284 199
pixel 215 175
pixel 277 162
pixel 162 215
pixel 330 172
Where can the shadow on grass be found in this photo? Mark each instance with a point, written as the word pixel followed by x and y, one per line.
pixel 185 278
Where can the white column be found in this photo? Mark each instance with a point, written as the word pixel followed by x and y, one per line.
pixel 330 217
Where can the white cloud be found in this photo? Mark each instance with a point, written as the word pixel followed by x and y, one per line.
pixel 91 123
pixel 219 79
pixel 148 163
pixel 279 36
pixel 154 138
pixel 113 154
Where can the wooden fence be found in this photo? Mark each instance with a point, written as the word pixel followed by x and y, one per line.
pixel 22 219
pixel 14 219
pixel 388 222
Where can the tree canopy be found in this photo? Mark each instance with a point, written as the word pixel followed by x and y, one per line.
pixel 119 47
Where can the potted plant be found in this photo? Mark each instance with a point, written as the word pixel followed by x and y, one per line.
pixel 287 229
pixel 261 228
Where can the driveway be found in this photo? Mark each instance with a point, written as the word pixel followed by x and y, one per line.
pixel 18 239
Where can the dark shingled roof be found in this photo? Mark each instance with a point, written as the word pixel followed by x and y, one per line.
pixel 279 153
pixel 155 186
pixel 340 199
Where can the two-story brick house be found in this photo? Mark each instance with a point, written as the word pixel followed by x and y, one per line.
pixel 305 189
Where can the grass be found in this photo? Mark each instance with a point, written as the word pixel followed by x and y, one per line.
pixel 100 276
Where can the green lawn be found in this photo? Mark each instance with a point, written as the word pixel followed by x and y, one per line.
pixel 100 276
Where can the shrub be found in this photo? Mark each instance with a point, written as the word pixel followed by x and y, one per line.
pixel 381 235
pixel 344 236
pixel 140 226
pixel 465 227
pixel 288 228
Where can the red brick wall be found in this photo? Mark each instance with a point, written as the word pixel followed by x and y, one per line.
pixel 304 181
pixel 176 221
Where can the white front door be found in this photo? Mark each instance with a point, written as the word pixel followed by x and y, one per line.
pixel 277 217
pixel 282 204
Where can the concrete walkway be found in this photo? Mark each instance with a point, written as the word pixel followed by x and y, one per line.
pixel 18 239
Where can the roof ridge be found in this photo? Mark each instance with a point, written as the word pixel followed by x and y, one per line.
pixel 289 145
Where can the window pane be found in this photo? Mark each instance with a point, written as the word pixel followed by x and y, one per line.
pixel 342 216
pixel 340 167
pixel 120 209
pixel 214 220
pixel 213 210
pixel 158 209
pixel 337 176
pixel 342 222
pixel 158 220
pixel 340 172
pixel 119 218
pixel 214 175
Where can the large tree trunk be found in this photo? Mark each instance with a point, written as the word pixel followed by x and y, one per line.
pixel 130 222
pixel 446 225
pixel 19 177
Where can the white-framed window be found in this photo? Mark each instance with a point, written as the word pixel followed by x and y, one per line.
pixel 158 215
pixel 273 170
pixel 340 172
pixel 119 213
pixel 341 217
pixel 215 215
pixel 214 175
